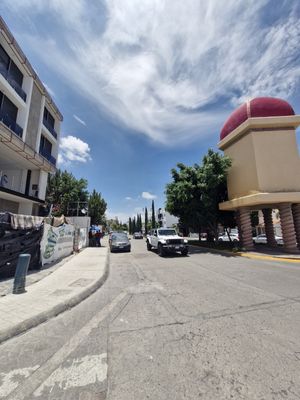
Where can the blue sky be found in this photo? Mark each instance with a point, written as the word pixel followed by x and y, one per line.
pixel 144 84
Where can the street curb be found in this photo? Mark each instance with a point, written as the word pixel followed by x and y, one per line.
pixel 56 310
pixel 250 256
pixel 226 252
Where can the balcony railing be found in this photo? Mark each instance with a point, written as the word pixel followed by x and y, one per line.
pixel 48 156
pixel 13 83
pixel 11 124
pixel 50 128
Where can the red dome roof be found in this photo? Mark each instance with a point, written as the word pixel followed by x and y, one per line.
pixel 259 107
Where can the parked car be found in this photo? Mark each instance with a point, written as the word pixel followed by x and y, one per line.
pixel 119 241
pixel 224 237
pixel 262 239
pixel 166 240
pixel 137 235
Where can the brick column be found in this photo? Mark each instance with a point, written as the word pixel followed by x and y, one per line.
pixel 296 215
pixel 246 228
pixel 268 220
pixel 238 222
pixel 287 227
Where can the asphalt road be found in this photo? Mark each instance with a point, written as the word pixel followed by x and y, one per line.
pixel 206 326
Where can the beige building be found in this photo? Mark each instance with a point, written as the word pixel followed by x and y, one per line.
pixel 260 139
pixel 29 131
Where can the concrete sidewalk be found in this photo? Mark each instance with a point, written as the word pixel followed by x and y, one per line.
pixel 64 288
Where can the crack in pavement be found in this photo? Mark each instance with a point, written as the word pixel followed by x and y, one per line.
pixel 213 315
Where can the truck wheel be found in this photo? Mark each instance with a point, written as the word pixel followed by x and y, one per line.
pixel 149 247
pixel 184 252
pixel 160 250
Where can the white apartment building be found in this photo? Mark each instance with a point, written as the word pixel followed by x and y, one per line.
pixel 165 219
pixel 29 131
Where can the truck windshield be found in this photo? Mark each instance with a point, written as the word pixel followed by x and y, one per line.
pixel 167 232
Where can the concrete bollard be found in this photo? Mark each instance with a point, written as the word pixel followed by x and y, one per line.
pixel 21 272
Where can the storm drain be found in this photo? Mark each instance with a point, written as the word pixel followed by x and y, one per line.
pixel 81 282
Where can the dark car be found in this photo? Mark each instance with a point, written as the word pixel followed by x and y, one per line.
pixel 137 235
pixel 119 242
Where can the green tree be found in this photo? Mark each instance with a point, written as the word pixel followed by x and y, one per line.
pixel 153 223
pixel 97 207
pixel 146 221
pixel 116 225
pixel 133 225
pixel 66 193
pixel 130 226
pixel 139 224
pixel 195 193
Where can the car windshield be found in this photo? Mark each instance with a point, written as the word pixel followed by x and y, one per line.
pixel 167 232
pixel 119 236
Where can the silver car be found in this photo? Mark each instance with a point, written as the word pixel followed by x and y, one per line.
pixel 262 239
pixel 119 242
pixel 224 238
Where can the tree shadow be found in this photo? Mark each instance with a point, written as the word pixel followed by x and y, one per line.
pixel 225 252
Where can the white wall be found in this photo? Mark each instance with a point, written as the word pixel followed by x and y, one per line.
pixel 27 87
pixel 14 179
pixel 25 208
pixel 38 136
pixel 42 184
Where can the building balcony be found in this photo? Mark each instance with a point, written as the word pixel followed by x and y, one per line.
pixel 13 83
pixel 11 124
pixel 48 156
pixel 50 128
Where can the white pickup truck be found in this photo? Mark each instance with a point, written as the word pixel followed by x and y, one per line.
pixel 166 240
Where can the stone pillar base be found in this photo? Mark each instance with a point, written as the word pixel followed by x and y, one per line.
pixel 246 228
pixel 287 227
pixel 271 241
pixel 238 222
pixel 296 215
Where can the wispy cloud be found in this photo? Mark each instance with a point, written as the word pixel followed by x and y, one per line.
pixel 148 196
pixel 81 121
pixel 169 69
pixel 73 149
pixel 49 90
pixel 128 198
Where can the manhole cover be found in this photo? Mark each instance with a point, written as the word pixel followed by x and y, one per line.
pixel 81 282
pixel 61 292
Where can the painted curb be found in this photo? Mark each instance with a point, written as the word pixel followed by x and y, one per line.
pixel 56 310
pixel 250 256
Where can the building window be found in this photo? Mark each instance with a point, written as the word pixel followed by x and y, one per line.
pixel 10 67
pixel 7 109
pixel 48 119
pixel 8 114
pixel 45 146
pixel 4 59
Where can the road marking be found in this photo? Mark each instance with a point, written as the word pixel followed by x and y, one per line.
pixel 83 371
pixel 10 379
pixel 39 376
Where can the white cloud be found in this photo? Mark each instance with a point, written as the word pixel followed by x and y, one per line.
pixel 128 198
pixel 122 216
pixel 81 121
pixel 73 149
pixel 157 66
pixel 148 196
